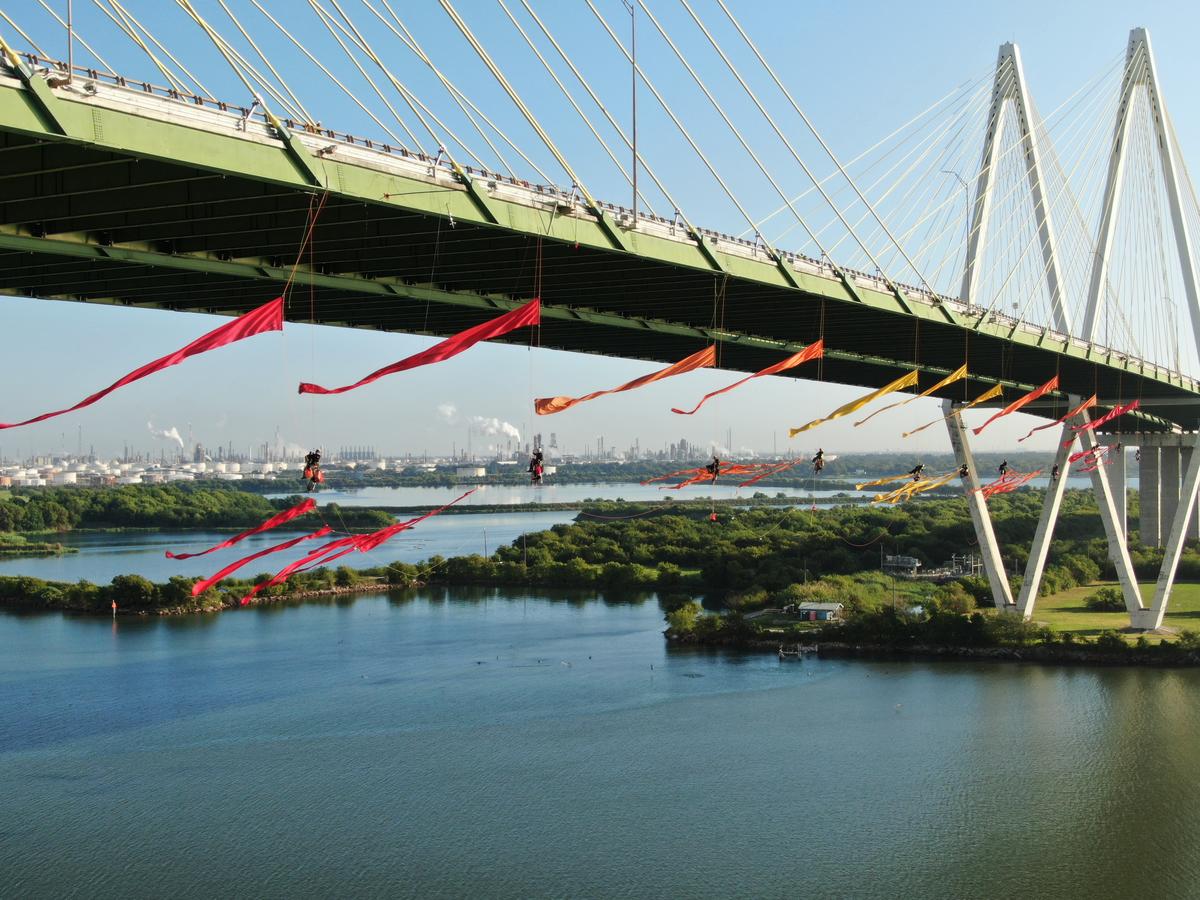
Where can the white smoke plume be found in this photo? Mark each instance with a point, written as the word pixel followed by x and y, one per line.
pixel 171 434
pixel 494 427
pixel 448 413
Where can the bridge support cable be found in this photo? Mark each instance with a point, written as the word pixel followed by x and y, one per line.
pixel 1039 550
pixel 129 31
pixel 408 97
pixel 820 140
pixel 779 260
pixel 613 233
pixel 416 144
pixel 616 126
pixel 131 23
pixel 308 119
pixel 241 67
pixel 574 105
pixel 989 548
pixel 468 108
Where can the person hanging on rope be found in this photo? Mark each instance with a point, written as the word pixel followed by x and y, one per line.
pixel 1002 468
pixel 963 471
pixel 818 461
pixel 536 467
pixel 312 469
pixel 714 468
pixel 917 471
pixel 1054 474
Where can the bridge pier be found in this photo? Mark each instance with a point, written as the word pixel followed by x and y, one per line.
pixel 989 549
pixel 1148 486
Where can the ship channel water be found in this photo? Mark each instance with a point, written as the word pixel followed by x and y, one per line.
pixel 451 743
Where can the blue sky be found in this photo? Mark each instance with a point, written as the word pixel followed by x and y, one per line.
pixel 859 70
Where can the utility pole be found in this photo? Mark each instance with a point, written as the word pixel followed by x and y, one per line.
pixel 70 42
pixel 632 5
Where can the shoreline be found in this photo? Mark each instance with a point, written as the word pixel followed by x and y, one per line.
pixel 1089 655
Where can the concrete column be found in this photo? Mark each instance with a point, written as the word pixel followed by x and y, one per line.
pixel 1193 528
pixel 1149 521
pixel 1116 475
pixel 1168 489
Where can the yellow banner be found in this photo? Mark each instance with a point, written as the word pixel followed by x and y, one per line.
pixel 990 394
pixel 957 375
pixel 908 491
pixel 878 481
pixel 904 381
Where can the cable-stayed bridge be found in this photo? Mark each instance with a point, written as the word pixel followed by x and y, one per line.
pixel 978 232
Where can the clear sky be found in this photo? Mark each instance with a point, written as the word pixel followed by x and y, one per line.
pixel 859 70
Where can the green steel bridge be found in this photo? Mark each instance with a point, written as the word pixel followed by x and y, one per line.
pixel 117 191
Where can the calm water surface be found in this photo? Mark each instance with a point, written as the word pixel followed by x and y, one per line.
pixel 450 744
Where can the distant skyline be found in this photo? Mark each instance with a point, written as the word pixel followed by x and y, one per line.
pixel 904 57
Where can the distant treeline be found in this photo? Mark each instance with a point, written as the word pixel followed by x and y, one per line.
pixel 173 506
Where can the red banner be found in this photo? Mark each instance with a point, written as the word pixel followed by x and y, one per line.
pixel 275 521
pixel 1046 388
pixel 528 314
pixel 363 543
pixel 1086 404
pixel 1115 412
pixel 268 317
pixel 811 352
pixel 205 583
pixel 707 357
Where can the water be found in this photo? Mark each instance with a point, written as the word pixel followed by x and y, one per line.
pixel 448 744
pixel 102 556
pixel 548 493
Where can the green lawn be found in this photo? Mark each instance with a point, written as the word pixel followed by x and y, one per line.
pixel 1065 611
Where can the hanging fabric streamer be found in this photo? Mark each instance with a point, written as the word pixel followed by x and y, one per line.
pixel 1086 404
pixel 268 317
pixel 905 381
pixel 205 583
pixel 887 479
pixel 1115 412
pixel 1046 388
pixel 362 543
pixel 957 375
pixel 989 394
pixel 275 521
pixel 908 491
pixel 809 353
pixel 702 359
pixel 1092 452
pixel 522 316
pixel 1008 482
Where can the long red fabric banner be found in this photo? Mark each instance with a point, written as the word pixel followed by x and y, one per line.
pixel 1113 413
pixel 1086 404
pixel 809 353
pixel 268 317
pixel 1046 388
pixel 527 314
pixel 363 543
pixel 275 521
pixel 205 583
pixel 701 359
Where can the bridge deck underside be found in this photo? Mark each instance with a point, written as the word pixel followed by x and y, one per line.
pixel 75 197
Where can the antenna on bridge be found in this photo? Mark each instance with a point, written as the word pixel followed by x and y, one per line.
pixel 70 41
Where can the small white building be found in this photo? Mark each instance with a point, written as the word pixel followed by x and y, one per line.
pixel 816 612
pixel 470 471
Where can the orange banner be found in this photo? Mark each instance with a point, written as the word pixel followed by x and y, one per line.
pixel 547 406
pixel 1046 388
pixel 1086 404
pixel 809 353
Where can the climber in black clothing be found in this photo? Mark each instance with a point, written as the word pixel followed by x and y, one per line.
pixel 917 471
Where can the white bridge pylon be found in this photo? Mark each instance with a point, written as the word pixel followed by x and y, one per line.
pixel 1011 98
